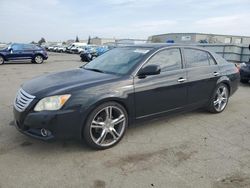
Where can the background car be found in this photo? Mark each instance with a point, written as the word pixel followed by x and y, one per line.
pixel 245 72
pixel 51 48
pixel 61 48
pixel 92 52
pixel 55 49
pixel 73 48
pixel 88 53
pixel 18 51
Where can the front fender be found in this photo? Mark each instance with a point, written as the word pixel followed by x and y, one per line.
pixel 87 99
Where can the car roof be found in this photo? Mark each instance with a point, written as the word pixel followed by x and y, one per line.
pixel 164 45
pixel 23 44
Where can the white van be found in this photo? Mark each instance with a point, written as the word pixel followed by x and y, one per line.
pixel 74 46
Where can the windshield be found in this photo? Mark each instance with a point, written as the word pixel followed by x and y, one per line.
pixel 118 60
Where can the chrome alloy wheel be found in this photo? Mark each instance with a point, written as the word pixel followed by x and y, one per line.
pixel 107 126
pixel 1 60
pixel 38 59
pixel 221 98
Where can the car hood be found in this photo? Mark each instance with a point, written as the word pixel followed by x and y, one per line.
pixel 57 83
pixel 3 49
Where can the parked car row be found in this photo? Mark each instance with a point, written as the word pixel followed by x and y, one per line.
pixel 75 48
pixel 92 52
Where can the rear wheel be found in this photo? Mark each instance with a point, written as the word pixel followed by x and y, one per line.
pixel 38 59
pixel 219 100
pixel 106 126
pixel 1 60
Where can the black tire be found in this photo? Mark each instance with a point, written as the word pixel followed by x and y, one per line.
pixel 91 134
pixel 1 60
pixel 244 81
pixel 217 101
pixel 38 59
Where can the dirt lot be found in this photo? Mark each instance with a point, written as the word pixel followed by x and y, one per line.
pixel 195 149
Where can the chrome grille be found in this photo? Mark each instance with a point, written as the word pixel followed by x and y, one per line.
pixel 22 100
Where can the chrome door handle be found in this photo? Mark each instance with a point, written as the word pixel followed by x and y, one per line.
pixel 216 74
pixel 182 80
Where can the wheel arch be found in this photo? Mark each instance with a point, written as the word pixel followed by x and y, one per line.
pixel 3 57
pixel 36 54
pixel 225 80
pixel 100 102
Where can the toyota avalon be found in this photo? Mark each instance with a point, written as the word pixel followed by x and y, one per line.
pixel 97 102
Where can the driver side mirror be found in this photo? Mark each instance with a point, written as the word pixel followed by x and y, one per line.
pixel 9 49
pixel 149 70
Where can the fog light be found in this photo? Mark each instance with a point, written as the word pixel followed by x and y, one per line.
pixel 45 132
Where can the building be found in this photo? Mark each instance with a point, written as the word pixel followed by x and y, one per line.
pixel 199 38
pixel 101 41
pixel 121 42
pixel 116 42
pixel 68 42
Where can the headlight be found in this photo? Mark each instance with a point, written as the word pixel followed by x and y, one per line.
pixel 51 103
pixel 243 65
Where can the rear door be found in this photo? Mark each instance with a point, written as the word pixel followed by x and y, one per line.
pixel 202 73
pixel 164 92
pixel 28 51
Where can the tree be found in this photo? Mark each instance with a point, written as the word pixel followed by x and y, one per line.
pixel 89 40
pixel 33 42
pixel 41 41
pixel 77 39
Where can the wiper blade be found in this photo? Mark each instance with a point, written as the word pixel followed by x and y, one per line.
pixel 96 70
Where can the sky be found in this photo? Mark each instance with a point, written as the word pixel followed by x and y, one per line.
pixel 60 20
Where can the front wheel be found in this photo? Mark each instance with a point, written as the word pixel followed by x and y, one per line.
pixel 38 59
pixel 1 60
pixel 106 126
pixel 219 100
pixel 244 81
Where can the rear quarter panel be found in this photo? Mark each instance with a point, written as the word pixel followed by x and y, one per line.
pixel 229 74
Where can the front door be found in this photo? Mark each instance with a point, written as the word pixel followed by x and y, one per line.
pixel 15 52
pixel 164 92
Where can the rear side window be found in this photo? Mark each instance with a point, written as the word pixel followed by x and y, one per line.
pixel 196 58
pixel 168 60
pixel 219 59
pixel 28 47
pixel 36 47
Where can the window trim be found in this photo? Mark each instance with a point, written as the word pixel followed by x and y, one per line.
pixel 198 49
pixel 212 57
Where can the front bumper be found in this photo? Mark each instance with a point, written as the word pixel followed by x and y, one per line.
pixel 62 124
pixel 245 74
pixel 46 57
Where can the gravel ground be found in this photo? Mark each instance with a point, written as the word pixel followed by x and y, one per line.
pixel 195 149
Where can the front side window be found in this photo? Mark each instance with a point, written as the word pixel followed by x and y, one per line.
pixel 196 58
pixel 16 47
pixel 168 60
